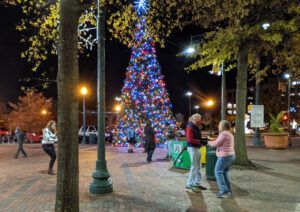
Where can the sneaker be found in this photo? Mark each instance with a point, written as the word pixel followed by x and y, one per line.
pixel 229 193
pixel 192 189
pixel 221 194
pixel 200 187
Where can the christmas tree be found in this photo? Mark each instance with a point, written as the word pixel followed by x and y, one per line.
pixel 144 95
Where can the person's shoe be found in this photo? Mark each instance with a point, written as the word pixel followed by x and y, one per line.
pixel 50 172
pixel 149 161
pixel 229 193
pixel 16 157
pixel 200 187
pixel 221 194
pixel 128 150
pixel 25 156
pixel 192 189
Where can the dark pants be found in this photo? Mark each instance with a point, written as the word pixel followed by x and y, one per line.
pixel 50 150
pixel 20 149
pixel 150 153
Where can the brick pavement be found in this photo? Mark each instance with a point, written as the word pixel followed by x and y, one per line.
pixel 139 186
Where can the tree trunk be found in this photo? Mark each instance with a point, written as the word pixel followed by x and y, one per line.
pixel 67 196
pixel 241 95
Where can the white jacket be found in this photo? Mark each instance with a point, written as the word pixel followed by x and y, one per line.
pixel 49 137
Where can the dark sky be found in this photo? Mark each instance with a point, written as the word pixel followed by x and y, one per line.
pixel 178 81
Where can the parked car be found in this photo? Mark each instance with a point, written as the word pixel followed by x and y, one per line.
pixel 109 135
pixel 33 138
pixel 88 130
pixel 4 132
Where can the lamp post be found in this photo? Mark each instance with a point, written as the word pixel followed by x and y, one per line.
pixel 83 92
pixel 196 107
pixel 210 104
pixel 189 94
pixel 191 50
pixel 256 139
pixel 101 184
pixel 288 77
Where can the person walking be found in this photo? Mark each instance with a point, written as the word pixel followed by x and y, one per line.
pixel 194 142
pixel 20 140
pixel 149 140
pixel 226 156
pixel 49 137
pixel 170 135
pixel 130 139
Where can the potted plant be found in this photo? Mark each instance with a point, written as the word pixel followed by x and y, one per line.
pixel 277 139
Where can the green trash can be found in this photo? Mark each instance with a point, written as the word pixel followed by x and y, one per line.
pixel 211 160
pixel 183 161
pixel 92 139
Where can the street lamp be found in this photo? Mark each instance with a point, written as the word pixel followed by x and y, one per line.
pixel 210 104
pixel 288 77
pixel 44 112
pixel 118 99
pixel 101 184
pixel 191 50
pixel 196 107
pixel 256 138
pixel 118 108
pixel 83 92
pixel 189 94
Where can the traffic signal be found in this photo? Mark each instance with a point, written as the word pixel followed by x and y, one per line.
pixel 285 117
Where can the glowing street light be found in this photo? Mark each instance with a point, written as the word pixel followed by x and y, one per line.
pixel 44 112
pixel 118 99
pixel 83 92
pixel 118 108
pixel 190 50
pixel 196 107
pixel 265 26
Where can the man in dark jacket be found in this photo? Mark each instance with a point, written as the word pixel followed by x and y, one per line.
pixel 20 139
pixel 149 140
pixel 193 138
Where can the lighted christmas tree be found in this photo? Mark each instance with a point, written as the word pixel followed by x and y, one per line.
pixel 144 95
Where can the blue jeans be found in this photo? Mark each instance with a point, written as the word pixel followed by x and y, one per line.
pixel 169 147
pixel 221 172
pixel 150 153
pixel 195 174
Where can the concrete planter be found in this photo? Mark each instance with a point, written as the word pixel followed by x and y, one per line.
pixel 276 140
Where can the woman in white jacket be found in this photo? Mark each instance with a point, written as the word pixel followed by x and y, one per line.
pixel 49 137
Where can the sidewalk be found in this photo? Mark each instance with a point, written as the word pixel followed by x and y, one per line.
pixel 139 186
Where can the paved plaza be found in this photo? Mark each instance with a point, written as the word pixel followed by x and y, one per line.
pixel 139 186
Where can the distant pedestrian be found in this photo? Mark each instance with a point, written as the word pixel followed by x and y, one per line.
pixel 49 137
pixel 194 142
pixel 149 140
pixel 226 156
pixel 20 136
pixel 170 136
pixel 130 138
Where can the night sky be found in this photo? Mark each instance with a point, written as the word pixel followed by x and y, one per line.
pixel 200 82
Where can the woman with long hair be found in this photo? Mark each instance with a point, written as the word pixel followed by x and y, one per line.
pixel 226 155
pixel 49 137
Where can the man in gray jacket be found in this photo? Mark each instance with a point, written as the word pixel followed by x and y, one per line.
pixel 20 139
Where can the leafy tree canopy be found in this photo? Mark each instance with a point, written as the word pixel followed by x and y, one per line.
pixel 27 113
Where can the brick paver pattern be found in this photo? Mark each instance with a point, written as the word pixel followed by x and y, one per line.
pixel 139 186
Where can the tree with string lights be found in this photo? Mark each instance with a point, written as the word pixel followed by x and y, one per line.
pixel 144 95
